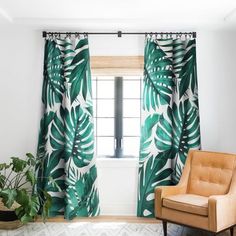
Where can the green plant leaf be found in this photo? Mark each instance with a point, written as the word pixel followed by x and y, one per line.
pixel 2 181
pixel 30 177
pixel 8 196
pixel 25 216
pixel 4 166
pixel 33 205
pixel 18 165
pixel 22 216
pixel 29 205
pixel 22 197
pixel 46 205
pixel 31 159
pixel 30 155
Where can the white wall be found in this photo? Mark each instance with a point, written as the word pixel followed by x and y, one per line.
pixel 21 57
pixel 216 57
pixel 118 181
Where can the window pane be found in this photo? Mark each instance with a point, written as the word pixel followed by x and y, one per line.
pixel 131 146
pixel 105 108
pixel 131 89
pixel 94 90
pixel 105 146
pixel 94 107
pixel 95 145
pixel 131 126
pixel 95 127
pixel 105 126
pixel 142 84
pixel 100 77
pixel 131 108
pixel 105 89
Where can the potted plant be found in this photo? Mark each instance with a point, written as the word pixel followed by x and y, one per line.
pixel 19 202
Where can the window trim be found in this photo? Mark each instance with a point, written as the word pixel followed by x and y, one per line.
pixel 117 66
pixel 118 117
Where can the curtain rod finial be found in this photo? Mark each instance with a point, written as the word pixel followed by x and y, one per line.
pixel 194 35
pixel 44 34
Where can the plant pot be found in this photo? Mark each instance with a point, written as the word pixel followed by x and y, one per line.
pixel 8 218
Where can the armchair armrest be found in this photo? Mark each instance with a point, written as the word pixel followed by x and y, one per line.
pixel 221 211
pixel 164 191
pixel 180 188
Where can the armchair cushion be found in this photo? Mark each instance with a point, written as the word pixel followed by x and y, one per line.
pixel 190 203
pixel 211 173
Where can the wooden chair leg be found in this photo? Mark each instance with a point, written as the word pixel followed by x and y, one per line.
pixel 232 231
pixel 164 224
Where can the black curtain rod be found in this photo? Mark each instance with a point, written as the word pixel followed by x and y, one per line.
pixel 119 33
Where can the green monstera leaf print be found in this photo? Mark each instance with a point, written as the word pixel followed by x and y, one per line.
pixel 53 84
pixel 80 143
pixel 170 116
pixel 158 75
pixel 67 169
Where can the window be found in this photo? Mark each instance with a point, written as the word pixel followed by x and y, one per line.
pixel 117 115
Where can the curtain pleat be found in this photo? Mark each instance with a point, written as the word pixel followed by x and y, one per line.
pixel 67 169
pixel 170 115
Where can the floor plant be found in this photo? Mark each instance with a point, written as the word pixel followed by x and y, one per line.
pixel 17 186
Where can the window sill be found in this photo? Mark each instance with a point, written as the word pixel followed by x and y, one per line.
pixel 109 162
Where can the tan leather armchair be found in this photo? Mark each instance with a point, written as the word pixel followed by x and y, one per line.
pixel 205 197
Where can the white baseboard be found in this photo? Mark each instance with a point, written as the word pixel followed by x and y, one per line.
pixel 118 209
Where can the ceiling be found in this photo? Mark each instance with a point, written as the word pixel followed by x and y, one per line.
pixel 142 15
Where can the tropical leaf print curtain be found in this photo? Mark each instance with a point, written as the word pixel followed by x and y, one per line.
pixel 170 115
pixel 66 140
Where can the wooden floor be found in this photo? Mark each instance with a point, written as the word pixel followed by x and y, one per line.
pixel 173 230
pixel 128 219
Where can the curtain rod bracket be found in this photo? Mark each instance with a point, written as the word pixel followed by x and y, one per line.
pixel 44 34
pixel 119 34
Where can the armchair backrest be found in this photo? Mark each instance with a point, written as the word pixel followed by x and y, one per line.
pixel 210 172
